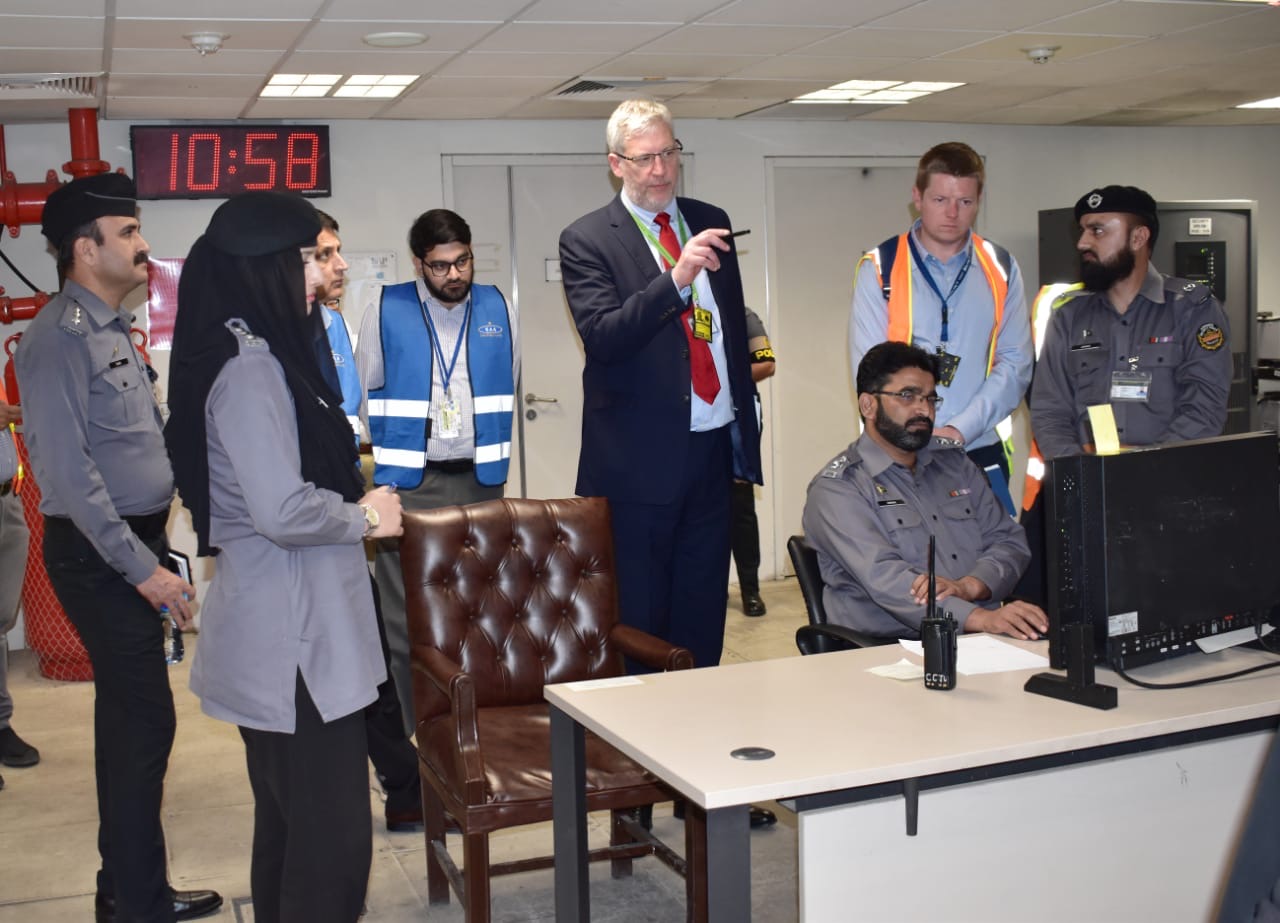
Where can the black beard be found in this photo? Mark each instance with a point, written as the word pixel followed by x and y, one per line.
pixel 899 436
pixel 438 293
pixel 1098 276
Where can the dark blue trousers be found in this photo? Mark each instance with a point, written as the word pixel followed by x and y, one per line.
pixel 673 558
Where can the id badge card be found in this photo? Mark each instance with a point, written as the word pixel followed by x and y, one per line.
pixel 947 366
pixel 702 323
pixel 1131 385
pixel 449 418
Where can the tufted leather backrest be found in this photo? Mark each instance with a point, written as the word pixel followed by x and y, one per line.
pixel 519 593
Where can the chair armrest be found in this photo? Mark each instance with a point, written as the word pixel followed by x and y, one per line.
pixel 651 651
pixel 823 639
pixel 459 688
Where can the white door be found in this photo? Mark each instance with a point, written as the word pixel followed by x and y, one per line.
pixel 516 207
pixel 824 212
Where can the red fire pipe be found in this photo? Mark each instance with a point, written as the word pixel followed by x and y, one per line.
pixel 23 203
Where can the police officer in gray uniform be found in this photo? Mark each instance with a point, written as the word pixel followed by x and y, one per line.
pixel 94 433
pixel 871 510
pixel 1152 346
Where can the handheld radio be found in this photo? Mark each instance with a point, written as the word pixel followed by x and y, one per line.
pixel 937 637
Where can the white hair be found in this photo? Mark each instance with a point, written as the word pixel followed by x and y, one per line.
pixel 634 117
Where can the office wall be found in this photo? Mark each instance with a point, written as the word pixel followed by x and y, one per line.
pixel 385 173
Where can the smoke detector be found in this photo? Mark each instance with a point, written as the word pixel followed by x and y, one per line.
pixel 206 42
pixel 1041 54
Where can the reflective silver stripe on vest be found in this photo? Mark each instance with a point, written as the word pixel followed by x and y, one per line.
pixel 399 458
pixel 391 407
pixel 492 453
pixel 497 403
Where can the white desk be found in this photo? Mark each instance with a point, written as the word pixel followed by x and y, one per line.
pixel 842 735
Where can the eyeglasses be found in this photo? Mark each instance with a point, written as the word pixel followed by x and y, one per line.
pixel 440 269
pixel 912 396
pixel 646 161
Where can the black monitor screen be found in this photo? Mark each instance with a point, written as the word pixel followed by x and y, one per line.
pixel 1157 547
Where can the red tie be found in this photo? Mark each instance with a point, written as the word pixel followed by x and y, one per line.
pixel 706 383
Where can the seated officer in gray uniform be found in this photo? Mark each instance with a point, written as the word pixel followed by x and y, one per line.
pixel 871 510
pixel 1152 346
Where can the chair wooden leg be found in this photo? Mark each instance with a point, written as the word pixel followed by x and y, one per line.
pixel 695 851
pixel 433 822
pixel 475 872
pixel 619 868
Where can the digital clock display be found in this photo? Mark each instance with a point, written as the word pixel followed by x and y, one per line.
pixel 220 161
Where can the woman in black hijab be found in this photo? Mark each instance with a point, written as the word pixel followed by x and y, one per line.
pixel 264 459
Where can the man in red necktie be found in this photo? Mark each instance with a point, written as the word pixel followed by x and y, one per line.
pixel 654 287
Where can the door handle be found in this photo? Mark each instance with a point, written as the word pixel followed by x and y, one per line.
pixel 531 398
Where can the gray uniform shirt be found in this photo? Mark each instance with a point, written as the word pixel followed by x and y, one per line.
pixel 1174 329
pixel 291 591
pixel 870 518
pixel 92 425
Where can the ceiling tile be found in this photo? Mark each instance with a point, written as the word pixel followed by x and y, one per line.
pixel 834 69
pixel 242 34
pixel 509 64
pixel 1011 47
pixel 406 10
pixel 471 108
pixel 992 15
pixel 373 61
pixel 50 32
pixel 184 86
pixel 484 87
pixel 754 89
pixel 135 107
pixel 807 12
pixel 701 37
pixel 665 65
pixel 189 61
pixel 298 109
pixel 227 9
pixel 50 61
pixel 1143 17
pixel 905 43
pixel 441 36
pixel 523 36
pixel 617 10
pixel 595 110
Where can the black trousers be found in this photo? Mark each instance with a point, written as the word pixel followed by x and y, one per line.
pixel 133 716
pixel 312 831
pixel 393 756
pixel 745 536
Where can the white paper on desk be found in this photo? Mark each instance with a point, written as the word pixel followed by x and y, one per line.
pixel 985 654
pixel 586 685
pixel 903 669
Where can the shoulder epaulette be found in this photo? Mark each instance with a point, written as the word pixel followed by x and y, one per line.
pixel 75 319
pixel 836 467
pixel 244 336
pixel 1194 292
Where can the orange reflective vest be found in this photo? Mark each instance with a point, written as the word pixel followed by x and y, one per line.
pixel 1048 299
pixel 996 265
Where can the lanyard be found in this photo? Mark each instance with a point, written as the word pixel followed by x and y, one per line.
pixel 446 371
pixel 924 271
pixel 682 235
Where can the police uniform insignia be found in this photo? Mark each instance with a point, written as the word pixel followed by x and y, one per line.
pixel 1094 200
pixel 73 320
pixel 958 492
pixel 836 466
pixel 1210 337
pixel 1189 287
pixel 880 488
pixel 248 339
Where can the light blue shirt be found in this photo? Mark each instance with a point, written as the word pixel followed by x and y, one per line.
pixel 702 416
pixel 974 402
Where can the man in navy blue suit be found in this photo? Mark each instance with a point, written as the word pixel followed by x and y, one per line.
pixel 655 291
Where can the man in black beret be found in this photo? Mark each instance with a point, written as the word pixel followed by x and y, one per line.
pixel 1152 346
pixel 94 433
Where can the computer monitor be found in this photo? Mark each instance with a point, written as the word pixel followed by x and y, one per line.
pixel 1158 547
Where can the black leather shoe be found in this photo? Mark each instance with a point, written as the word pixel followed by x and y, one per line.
pixel 752 604
pixel 16 752
pixel 760 817
pixel 409 821
pixel 187 905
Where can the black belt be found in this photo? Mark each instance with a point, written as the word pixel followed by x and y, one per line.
pixel 451 465
pixel 147 527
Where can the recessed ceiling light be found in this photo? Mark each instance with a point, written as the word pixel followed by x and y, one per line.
pixel 875 92
pixel 394 39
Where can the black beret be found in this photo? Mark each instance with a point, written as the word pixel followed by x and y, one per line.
pixel 259 223
pixel 1129 200
pixel 87 199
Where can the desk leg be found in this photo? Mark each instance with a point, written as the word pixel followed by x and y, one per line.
pixel 729 864
pixel 569 818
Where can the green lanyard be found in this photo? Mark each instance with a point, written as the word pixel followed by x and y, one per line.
pixel 682 235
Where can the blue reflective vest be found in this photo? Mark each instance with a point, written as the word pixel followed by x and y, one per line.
pixel 344 360
pixel 400 409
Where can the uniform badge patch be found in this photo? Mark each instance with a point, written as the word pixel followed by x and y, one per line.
pixel 489 330
pixel 1210 337
pixel 1094 200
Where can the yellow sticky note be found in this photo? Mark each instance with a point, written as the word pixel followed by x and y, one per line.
pixel 1106 441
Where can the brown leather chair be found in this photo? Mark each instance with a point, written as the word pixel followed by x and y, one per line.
pixel 503 597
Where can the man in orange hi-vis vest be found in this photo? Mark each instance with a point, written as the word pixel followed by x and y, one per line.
pixel 942 287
